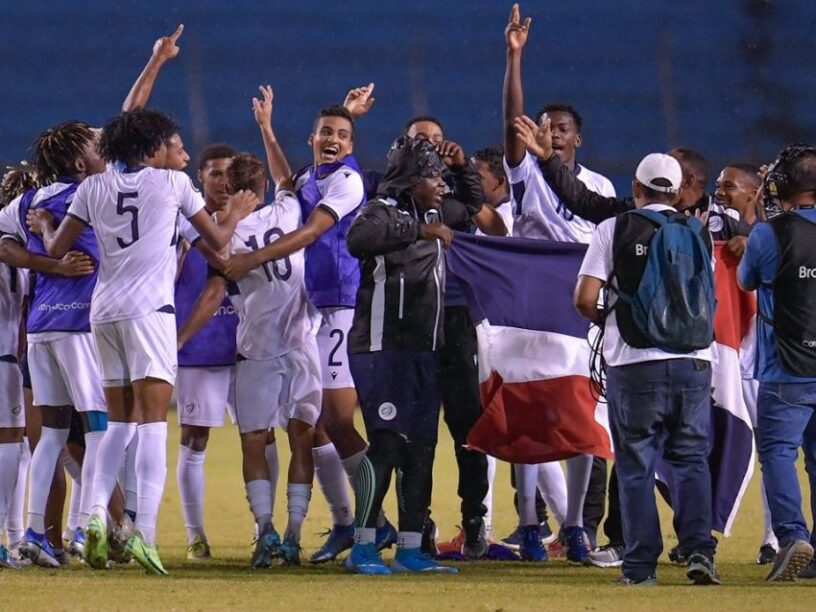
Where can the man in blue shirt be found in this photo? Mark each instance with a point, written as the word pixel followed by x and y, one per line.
pixel 779 263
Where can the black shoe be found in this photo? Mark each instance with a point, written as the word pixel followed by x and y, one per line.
pixel 809 572
pixel 767 555
pixel 646 582
pixel 429 532
pixel 675 556
pixel 701 570
pixel 475 546
pixel 791 559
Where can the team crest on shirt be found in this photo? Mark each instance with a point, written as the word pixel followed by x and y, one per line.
pixel 189 407
pixel 387 411
pixel 334 374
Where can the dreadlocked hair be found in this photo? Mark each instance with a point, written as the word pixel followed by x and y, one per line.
pixel 129 137
pixel 56 150
pixel 16 181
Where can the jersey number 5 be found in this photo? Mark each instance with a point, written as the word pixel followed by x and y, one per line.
pixel 121 209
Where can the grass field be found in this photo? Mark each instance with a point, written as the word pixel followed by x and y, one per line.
pixel 228 583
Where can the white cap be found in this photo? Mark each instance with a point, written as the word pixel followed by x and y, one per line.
pixel 660 166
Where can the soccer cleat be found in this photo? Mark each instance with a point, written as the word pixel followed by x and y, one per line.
pixel 146 556
pixel 513 541
pixel 290 551
pixel 577 552
pixel 118 541
pixel 606 556
pixel 76 545
pixel 341 537
pixel 767 554
pixel 546 534
pixel 637 582
pixel 792 558
pixel 701 570
pixel 199 550
pixel 429 534
pixel 17 554
pixel 531 548
pixel 96 543
pixel 6 560
pixel 386 536
pixel 475 545
pixel 63 557
pixel 365 559
pixel 267 547
pixel 414 560
pixel 38 549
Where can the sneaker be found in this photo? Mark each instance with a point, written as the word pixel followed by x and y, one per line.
pixel 610 555
pixel 546 534
pixel 290 551
pixel 386 536
pixel 198 550
pixel 531 548
pixel 792 558
pixel 341 537
pixel 645 582
pixel 767 555
pixel 96 543
pixel 266 548
pixel 414 560
pixel 676 557
pixel 39 550
pixel 577 552
pixel 365 559
pixel 76 545
pixel 6 560
pixel 701 570
pixel 809 571
pixel 429 534
pixel 146 556
pixel 475 545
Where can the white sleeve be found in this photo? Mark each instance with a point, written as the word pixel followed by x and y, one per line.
pixel 79 205
pixel 607 188
pixel 186 230
pixel 598 259
pixel 190 199
pixel 10 220
pixel 343 192
pixel 520 173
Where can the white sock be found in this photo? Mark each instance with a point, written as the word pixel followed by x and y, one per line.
pixel 259 496
pixel 15 521
pixel 488 500
pixel 332 479
pixel 151 470
pixel 92 441
pixel 579 470
pixel 409 539
pixel 109 459
pixel 43 465
pixel 10 454
pixel 75 473
pixel 190 476
pixel 366 535
pixel 271 454
pixel 297 504
pixel 526 491
pixel 130 478
pixel 553 487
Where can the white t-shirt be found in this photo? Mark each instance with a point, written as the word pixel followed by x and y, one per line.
pixel 505 210
pixel 13 289
pixel 540 215
pixel 134 216
pixel 342 191
pixel 275 315
pixel 598 264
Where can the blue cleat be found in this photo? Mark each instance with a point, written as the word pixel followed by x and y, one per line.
pixel 365 559
pixel 386 536
pixel 341 537
pixel 290 551
pixel 266 548
pixel 76 545
pixel 531 548
pixel 6 560
pixel 414 560
pixel 577 551
pixel 38 549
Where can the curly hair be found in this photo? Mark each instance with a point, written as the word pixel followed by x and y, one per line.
pixel 17 180
pixel 219 150
pixel 246 171
pixel 56 150
pixel 494 158
pixel 131 136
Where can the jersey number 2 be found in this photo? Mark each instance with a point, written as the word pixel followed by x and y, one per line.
pixel 121 209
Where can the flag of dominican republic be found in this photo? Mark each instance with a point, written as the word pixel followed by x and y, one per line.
pixel 534 362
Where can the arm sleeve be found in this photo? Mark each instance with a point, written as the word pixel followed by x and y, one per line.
pixel 187 231
pixel 190 199
pixel 598 259
pixel 343 193
pixel 79 205
pixel 467 188
pixel 759 262
pixel 10 221
pixel 380 229
pixel 577 197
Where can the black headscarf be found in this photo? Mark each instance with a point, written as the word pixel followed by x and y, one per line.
pixel 409 161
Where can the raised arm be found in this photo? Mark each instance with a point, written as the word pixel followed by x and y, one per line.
pixel 164 49
pixel 512 94
pixel 207 303
pixel 73 263
pixel 359 101
pixel 56 241
pixel 279 168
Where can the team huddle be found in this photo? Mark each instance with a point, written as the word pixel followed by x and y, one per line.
pixel 287 299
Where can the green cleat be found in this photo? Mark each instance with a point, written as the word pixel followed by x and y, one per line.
pixel 96 543
pixel 146 556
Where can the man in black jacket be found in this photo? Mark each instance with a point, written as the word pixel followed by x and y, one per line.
pixel 398 327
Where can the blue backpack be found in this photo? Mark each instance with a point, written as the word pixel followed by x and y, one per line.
pixel 674 303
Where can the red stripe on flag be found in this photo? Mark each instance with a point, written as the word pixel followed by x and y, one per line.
pixel 735 308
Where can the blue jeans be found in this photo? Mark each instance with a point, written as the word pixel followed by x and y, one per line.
pixel 785 422
pixel 661 409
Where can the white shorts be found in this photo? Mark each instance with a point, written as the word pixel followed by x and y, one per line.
pixel 64 372
pixel 269 393
pixel 133 349
pixel 205 395
pixel 12 412
pixel 332 340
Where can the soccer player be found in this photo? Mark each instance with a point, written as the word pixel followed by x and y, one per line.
pixel 540 214
pixel 489 163
pixel 133 208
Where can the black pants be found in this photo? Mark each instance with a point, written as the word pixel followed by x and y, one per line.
pixel 595 502
pixel 459 385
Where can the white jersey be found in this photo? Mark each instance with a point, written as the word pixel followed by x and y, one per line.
pixel 134 216
pixel 275 315
pixel 538 212
pixel 13 289
pixel 505 210
pixel 341 192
